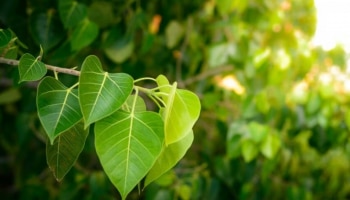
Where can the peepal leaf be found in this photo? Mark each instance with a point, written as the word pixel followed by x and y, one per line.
pixel 58 107
pixel 83 35
pixel 170 155
pixel 30 68
pixel 101 93
pixel 128 145
pixel 71 12
pixel 181 111
pixel 46 29
pixel 65 150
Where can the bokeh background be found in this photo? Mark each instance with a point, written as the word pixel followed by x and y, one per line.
pixel 275 114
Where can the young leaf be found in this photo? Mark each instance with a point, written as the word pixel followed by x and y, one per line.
pixel 170 155
pixel 71 12
pixel 65 150
pixel 30 68
pixel 101 93
pixel 181 111
pixel 85 33
pixel 127 145
pixel 58 107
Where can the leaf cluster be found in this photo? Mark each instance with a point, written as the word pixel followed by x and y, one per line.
pixel 132 142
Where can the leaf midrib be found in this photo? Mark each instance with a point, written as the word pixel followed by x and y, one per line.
pixel 105 75
pixel 62 108
pixel 132 116
pixel 35 61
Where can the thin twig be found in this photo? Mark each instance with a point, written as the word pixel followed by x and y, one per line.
pixel 49 67
pixel 206 74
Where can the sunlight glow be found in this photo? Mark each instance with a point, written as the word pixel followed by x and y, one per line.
pixel 332 24
pixel 230 82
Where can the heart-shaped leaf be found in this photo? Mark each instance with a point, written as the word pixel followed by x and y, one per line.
pixel 30 68
pixel 128 144
pixel 58 107
pixel 170 155
pixel 65 150
pixel 71 12
pixel 85 33
pixel 181 111
pixel 46 29
pixel 101 93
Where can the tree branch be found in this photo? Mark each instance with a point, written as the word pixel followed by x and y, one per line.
pixel 49 67
pixel 206 74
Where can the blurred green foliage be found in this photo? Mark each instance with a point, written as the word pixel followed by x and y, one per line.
pixel 275 118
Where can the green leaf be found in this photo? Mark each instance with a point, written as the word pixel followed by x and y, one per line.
pixel 71 12
pixel 120 50
pixel 46 29
pixel 220 54
pixel 83 35
pixel 128 145
pixel 257 132
pixel 249 150
pixel 9 52
pixel 139 106
pixel 226 6
pixel 173 32
pixel 181 111
pixel 9 96
pixel 270 146
pixel 58 107
pixel 234 146
pixel 262 102
pixel 101 93
pixel 30 68
pixel 5 37
pixel 102 13
pixel 170 155
pixel 65 150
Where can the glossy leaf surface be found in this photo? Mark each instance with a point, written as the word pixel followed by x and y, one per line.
pixel 127 145
pixel 30 68
pixel 181 111
pixel 58 107
pixel 170 155
pixel 101 93
pixel 65 150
